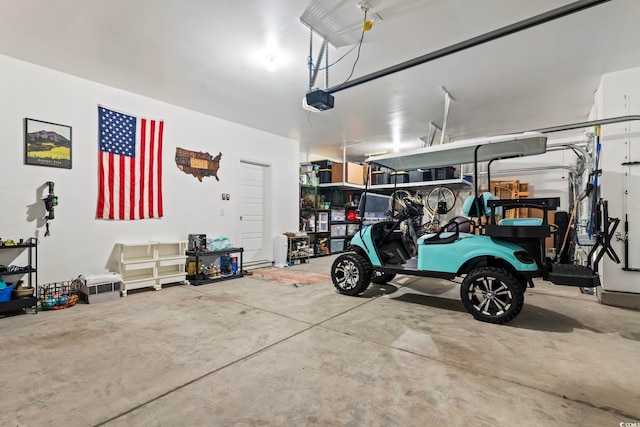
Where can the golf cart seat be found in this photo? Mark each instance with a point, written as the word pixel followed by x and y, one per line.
pixel 488 201
pixel 522 222
pixel 522 228
pixel 472 209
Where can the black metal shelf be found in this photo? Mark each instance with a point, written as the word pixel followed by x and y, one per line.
pixel 200 279
pixel 18 304
pixel 18 272
pixel 31 271
pixel 197 281
pixel 18 246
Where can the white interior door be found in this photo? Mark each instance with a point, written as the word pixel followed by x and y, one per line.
pixel 254 221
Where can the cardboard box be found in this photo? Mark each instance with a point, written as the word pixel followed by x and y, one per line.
pixel 354 173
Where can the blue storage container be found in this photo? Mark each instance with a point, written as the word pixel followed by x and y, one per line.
pixel 5 294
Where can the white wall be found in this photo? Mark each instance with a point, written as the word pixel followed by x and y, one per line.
pixel 81 244
pixel 619 95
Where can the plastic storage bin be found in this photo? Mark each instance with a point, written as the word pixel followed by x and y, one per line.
pixel 323 222
pixel 5 294
pixel 324 175
pixel 337 245
pixel 338 215
pixel 352 229
pixel 420 176
pixel 399 178
pixel 448 172
pixel 379 177
pixel 338 230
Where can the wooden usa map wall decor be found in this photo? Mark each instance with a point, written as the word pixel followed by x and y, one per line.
pixel 197 163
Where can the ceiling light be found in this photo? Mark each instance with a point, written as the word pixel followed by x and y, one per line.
pixel 377 153
pixel 351 143
pixel 272 62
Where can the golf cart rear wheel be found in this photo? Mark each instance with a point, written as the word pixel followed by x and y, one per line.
pixel 492 295
pixel 382 278
pixel 351 274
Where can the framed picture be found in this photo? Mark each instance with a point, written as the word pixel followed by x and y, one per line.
pixel 47 144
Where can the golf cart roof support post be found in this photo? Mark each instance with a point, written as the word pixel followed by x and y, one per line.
pixel 533 21
pixel 489 174
pixel 475 184
pixel 588 124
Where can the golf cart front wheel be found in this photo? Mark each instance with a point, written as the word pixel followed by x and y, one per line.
pixel 381 278
pixel 492 295
pixel 351 274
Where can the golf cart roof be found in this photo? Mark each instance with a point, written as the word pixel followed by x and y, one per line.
pixel 461 152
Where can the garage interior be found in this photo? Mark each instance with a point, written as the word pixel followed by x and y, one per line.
pixel 230 83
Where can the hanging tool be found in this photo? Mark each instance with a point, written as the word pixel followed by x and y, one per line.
pixel 592 224
pixel 606 227
pixel 585 193
pixel 49 203
pixel 625 240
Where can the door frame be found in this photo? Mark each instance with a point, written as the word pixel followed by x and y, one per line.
pixel 268 210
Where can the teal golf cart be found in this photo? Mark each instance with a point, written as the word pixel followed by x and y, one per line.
pixel 496 259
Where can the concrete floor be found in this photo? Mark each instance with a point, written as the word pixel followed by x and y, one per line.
pixel 251 353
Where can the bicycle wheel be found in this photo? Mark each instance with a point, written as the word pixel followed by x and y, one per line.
pixel 441 200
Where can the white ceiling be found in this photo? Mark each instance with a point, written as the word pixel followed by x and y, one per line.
pixel 210 56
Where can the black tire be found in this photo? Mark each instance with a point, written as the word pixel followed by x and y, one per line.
pixel 381 278
pixel 351 274
pixel 524 282
pixel 492 295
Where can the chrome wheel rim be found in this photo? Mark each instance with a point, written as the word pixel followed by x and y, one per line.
pixel 346 274
pixel 490 296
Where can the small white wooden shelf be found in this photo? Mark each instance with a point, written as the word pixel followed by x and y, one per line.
pixel 151 265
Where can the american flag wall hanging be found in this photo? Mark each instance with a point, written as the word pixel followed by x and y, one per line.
pixel 129 166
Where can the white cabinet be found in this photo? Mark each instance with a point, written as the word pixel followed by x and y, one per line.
pixel 150 265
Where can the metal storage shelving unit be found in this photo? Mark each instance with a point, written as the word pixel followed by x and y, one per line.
pixel 298 249
pixel 314 220
pixel 30 270
pixel 199 278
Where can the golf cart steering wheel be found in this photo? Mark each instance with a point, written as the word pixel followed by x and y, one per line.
pixel 406 206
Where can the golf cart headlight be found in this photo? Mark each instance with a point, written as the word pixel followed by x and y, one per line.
pixel 524 257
